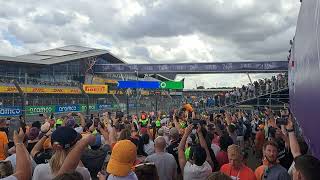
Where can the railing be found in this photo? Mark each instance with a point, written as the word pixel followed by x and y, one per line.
pixel 263 89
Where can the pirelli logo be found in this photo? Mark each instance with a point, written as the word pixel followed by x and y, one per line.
pixel 95 89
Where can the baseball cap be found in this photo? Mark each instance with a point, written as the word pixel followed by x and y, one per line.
pixel 33 133
pixel 65 137
pixel 122 158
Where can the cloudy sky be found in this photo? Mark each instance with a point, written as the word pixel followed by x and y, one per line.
pixel 155 31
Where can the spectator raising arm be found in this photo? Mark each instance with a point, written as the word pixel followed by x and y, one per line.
pixel 175 121
pixel 181 156
pixel 294 145
pixel 72 160
pixel 82 120
pixel 104 132
pixel 204 145
pixel 23 167
pixel 37 148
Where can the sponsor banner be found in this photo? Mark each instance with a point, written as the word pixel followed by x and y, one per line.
pixel 67 108
pixel 32 110
pixel 219 67
pixel 10 111
pixel 139 84
pixel 8 89
pixel 102 80
pixel 104 106
pixel 92 107
pixel 117 106
pixel 95 89
pixel 172 85
pixel 40 90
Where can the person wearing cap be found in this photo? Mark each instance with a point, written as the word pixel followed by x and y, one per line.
pixel 235 168
pixel 122 159
pixel 144 120
pixel 62 140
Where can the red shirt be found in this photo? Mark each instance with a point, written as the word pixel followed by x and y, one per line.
pixel 222 158
pixel 244 173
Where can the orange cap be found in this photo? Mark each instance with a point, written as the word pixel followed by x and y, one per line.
pixel 188 107
pixel 123 156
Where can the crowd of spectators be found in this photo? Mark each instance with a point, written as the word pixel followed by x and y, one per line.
pixel 252 90
pixel 38 82
pixel 257 88
pixel 179 144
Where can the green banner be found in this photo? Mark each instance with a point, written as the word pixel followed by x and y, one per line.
pixel 32 110
pixel 83 107
pixel 172 85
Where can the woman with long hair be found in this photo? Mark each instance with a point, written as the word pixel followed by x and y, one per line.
pixel 63 139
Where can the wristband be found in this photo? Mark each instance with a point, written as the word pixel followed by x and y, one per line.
pixel 19 144
pixel 290 130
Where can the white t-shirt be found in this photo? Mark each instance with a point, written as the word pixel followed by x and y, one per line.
pixel 131 176
pixel 149 148
pixel 215 148
pixel 12 177
pixel 13 160
pixel 194 172
pixel 79 129
pixel 43 172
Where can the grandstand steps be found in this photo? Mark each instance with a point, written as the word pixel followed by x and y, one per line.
pixel 251 100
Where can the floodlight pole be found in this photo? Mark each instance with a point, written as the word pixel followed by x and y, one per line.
pixel 23 98
pixel 137 92
pixel 249 78
pixel 127 102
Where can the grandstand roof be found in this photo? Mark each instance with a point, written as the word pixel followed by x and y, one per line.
pixel 60 55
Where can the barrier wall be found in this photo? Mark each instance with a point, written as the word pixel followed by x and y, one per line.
pixel 304 73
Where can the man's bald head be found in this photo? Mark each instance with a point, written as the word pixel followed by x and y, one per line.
pixel 160 143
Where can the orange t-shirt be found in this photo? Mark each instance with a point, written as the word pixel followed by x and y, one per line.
pixel 244 173
pixel 260 170
pixel 3 141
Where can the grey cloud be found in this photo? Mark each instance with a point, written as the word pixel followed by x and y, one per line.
pixel 26 34
pixel 173 18
pixel 54 18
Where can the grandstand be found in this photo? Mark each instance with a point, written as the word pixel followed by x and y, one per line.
pixel 55 77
